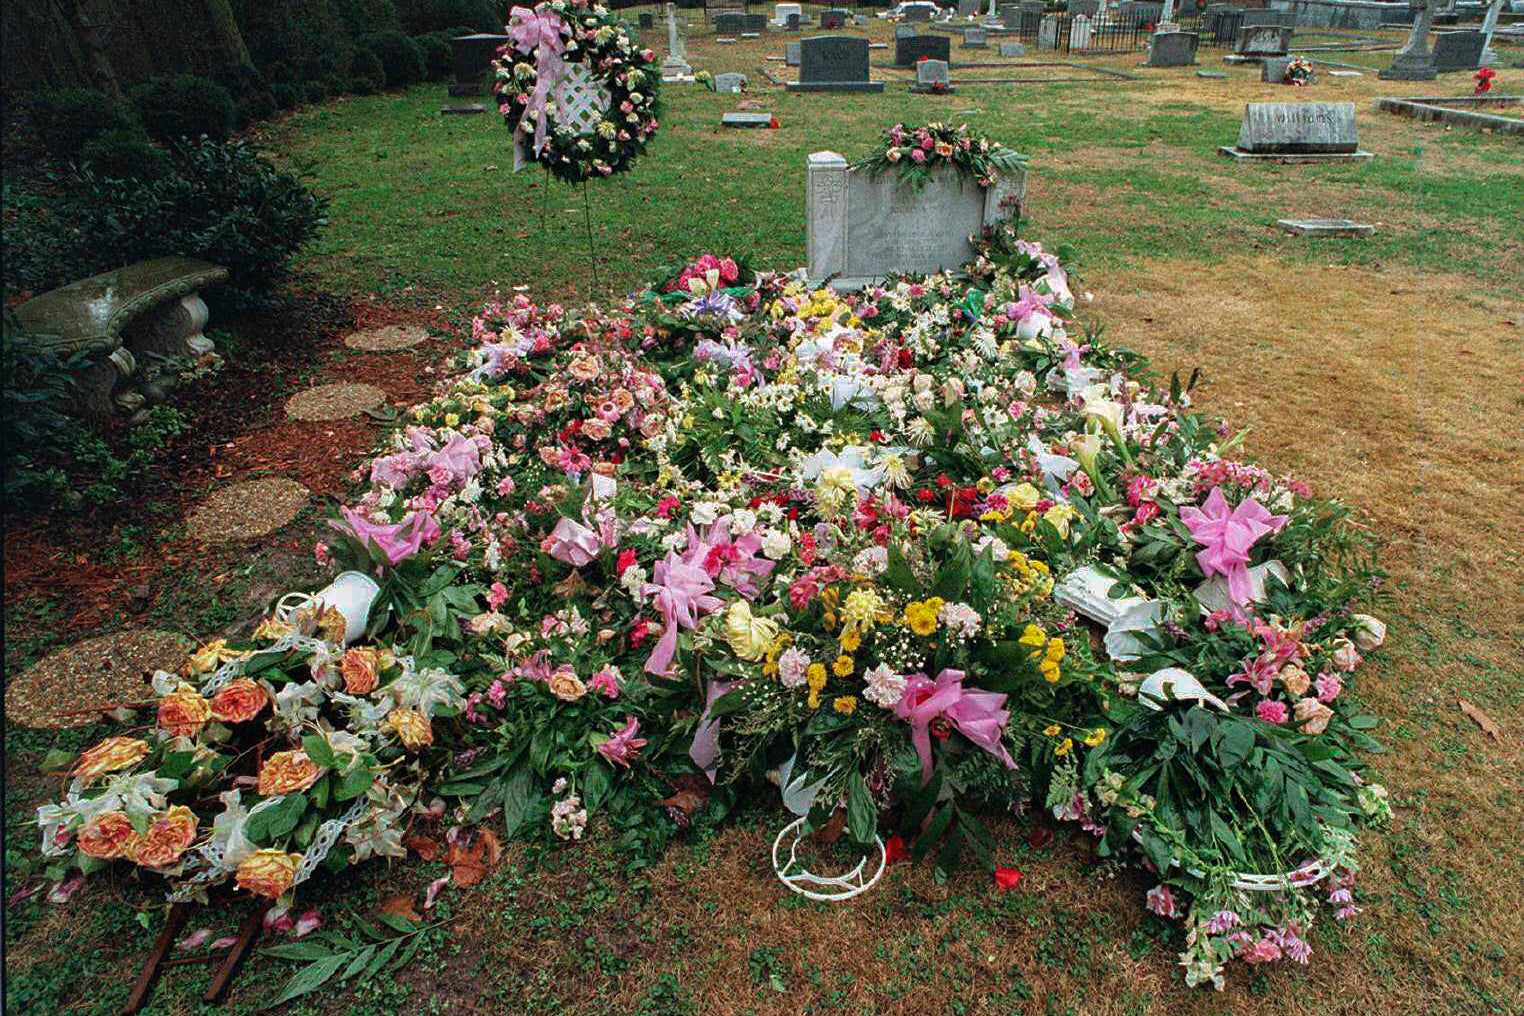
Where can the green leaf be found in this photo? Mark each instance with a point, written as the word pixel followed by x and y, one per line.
pixel 862 816
pixel 309 978
pixel 516 801
pixel 299 951
pixel 317 749
pixel 595 787
pixel 277 820
pixel 353 783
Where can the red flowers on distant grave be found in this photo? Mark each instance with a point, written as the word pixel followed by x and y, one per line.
pixel 1484 80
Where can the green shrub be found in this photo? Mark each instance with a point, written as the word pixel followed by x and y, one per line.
pixel 252 100
pixel 317 90
pixel 366 75
pixel 33 428
pixel 432 15
pixel 401 58
pixel 362 17
pixel 125 152
pixel 184 106
pixel 64 120
pixel 438 54
pixel 287 94
pixel 220 202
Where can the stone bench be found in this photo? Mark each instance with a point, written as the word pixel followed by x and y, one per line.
pixel 135 326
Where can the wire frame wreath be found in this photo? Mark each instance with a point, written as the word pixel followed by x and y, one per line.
pixel 827 888
pixel 578 93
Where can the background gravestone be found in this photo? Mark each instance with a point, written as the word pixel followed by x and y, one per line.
pixel 1089 8
pixel 1013 49
pixel 1172 49
pixel 975 38
pixel 918 12
pixel 473 54
pixel 968 8
pixel 1272 70
pixel 932 76
pixel 1297 132
pixel 861 227
pixel 1258 41
pixel 1459 50
pixel 834 18
pixel 1047 32
pixel 729 83
pixel 1079 34
pixel 834 63
pixel 908 49
pixel 791 54
pixel 647 20
pixel 729 23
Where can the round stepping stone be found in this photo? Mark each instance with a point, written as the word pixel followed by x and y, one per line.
pixel 334 402
pixel 246 510
pixel 95 675
pixel 387 339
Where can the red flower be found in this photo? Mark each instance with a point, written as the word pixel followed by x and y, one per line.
pixel 773 124
pixel 626 559
pixel 905 358
pixel 943 480
pixel 895 849
pixel 1007 878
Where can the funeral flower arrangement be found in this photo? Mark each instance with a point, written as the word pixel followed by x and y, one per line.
pixel 915 151
pixel 262 761
pixel 576 90
pixel 1298 72
pixel 907 558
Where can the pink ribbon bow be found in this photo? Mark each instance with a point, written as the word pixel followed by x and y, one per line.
pixel 975 714
pixel 573 543
pixel 1227 536
pixel 681 588
pixel 540 31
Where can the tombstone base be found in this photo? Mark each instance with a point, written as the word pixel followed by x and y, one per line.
pixel 1325 227
pixel 1418 70
pixel 457 91
pixel 933 90
pixel 1292 158
pixel 835 86
pixel 1238 59
pixel 749 121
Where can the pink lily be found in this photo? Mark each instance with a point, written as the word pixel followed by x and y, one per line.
pixel 624 746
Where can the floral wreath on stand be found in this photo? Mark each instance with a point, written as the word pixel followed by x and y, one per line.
pixel 917 151
pixel 578 93
pixel 1298 72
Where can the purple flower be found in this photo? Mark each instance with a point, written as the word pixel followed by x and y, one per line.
pixel 1161 901
pixel 624 746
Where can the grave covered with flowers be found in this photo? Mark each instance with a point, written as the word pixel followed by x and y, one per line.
pixel 901 560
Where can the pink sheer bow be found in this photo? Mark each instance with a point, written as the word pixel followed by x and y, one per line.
pixel 573 543
pixel 540 31
pixel 977 715
pixel 398 541
pixel 1227 536
pixel 681 588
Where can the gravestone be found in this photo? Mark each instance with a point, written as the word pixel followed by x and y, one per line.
pixel 782 11
pixel 1254 19
pixel 904 31
pixel 791 22
pixel 675 68
pixel 835 18
pixel 919 12
pixel 647 20
pixel 861 227
pixel 753 23
pixel 1047 33
pixel 908 49
pixel 1297 132
pixel 1134 12
pixel 834 63
pixel 968 8
pixel 791 54
pixel 1212 75
pixel 1272 70
pixel 932 76
pixel 463 109
pixel 1079 34
pixel 975 38
pixel 729 83
pixel 1089 8
pixel 729 23
pixel 1414 61
pixel 1013 49
pixel 1259 41
pixel 753 121
pixel 1459 50
pixel 473 55
pixel 1325 227
pixel 1172 49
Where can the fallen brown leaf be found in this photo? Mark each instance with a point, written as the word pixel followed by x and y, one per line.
pixel 1481 719
pixel 401 905
pixel 469 864
pixel 425 847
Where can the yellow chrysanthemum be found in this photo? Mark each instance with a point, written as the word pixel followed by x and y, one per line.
pixel 1065 748
pixel 843 666
pixel 850 640
pixel 845 704
pixel 1095 737
pixel 815 675
pixel 1052 730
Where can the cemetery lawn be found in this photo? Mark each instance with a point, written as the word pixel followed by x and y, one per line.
pixel 1384 371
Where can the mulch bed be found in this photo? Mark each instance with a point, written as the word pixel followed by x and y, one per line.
pixel 237 429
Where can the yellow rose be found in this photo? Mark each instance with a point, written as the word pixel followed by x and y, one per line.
pixel 287 772
pixel 565 685
pixel 749 637
pixel 1024 496
pixel 206 659
pixel 268 872
pixel 239 701
pixel 1052 730
pixel 184 712
pixel 1059 517
pixel 413 728
pixel 171 835
pixel 1295 679
pixel 108 836
pixel 1065 748
pixel 110 755
pixel 359 667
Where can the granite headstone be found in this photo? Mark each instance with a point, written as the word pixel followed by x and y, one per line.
pixel 910 48
pixel 834 63
pixel 1172 49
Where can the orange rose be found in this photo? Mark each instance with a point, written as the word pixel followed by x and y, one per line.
pixel 108 836
pixel 184 712
pixel 110 755
pixel 412 728
pixel 171 835
pixel 287 772
pixel 268 872
pixel 239 701
pixel 359 667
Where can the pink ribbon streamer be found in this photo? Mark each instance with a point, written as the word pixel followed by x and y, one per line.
pixel 705 749
pixel 1227 536
pixel 977 715
pixel 539 32
pixel 398 541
